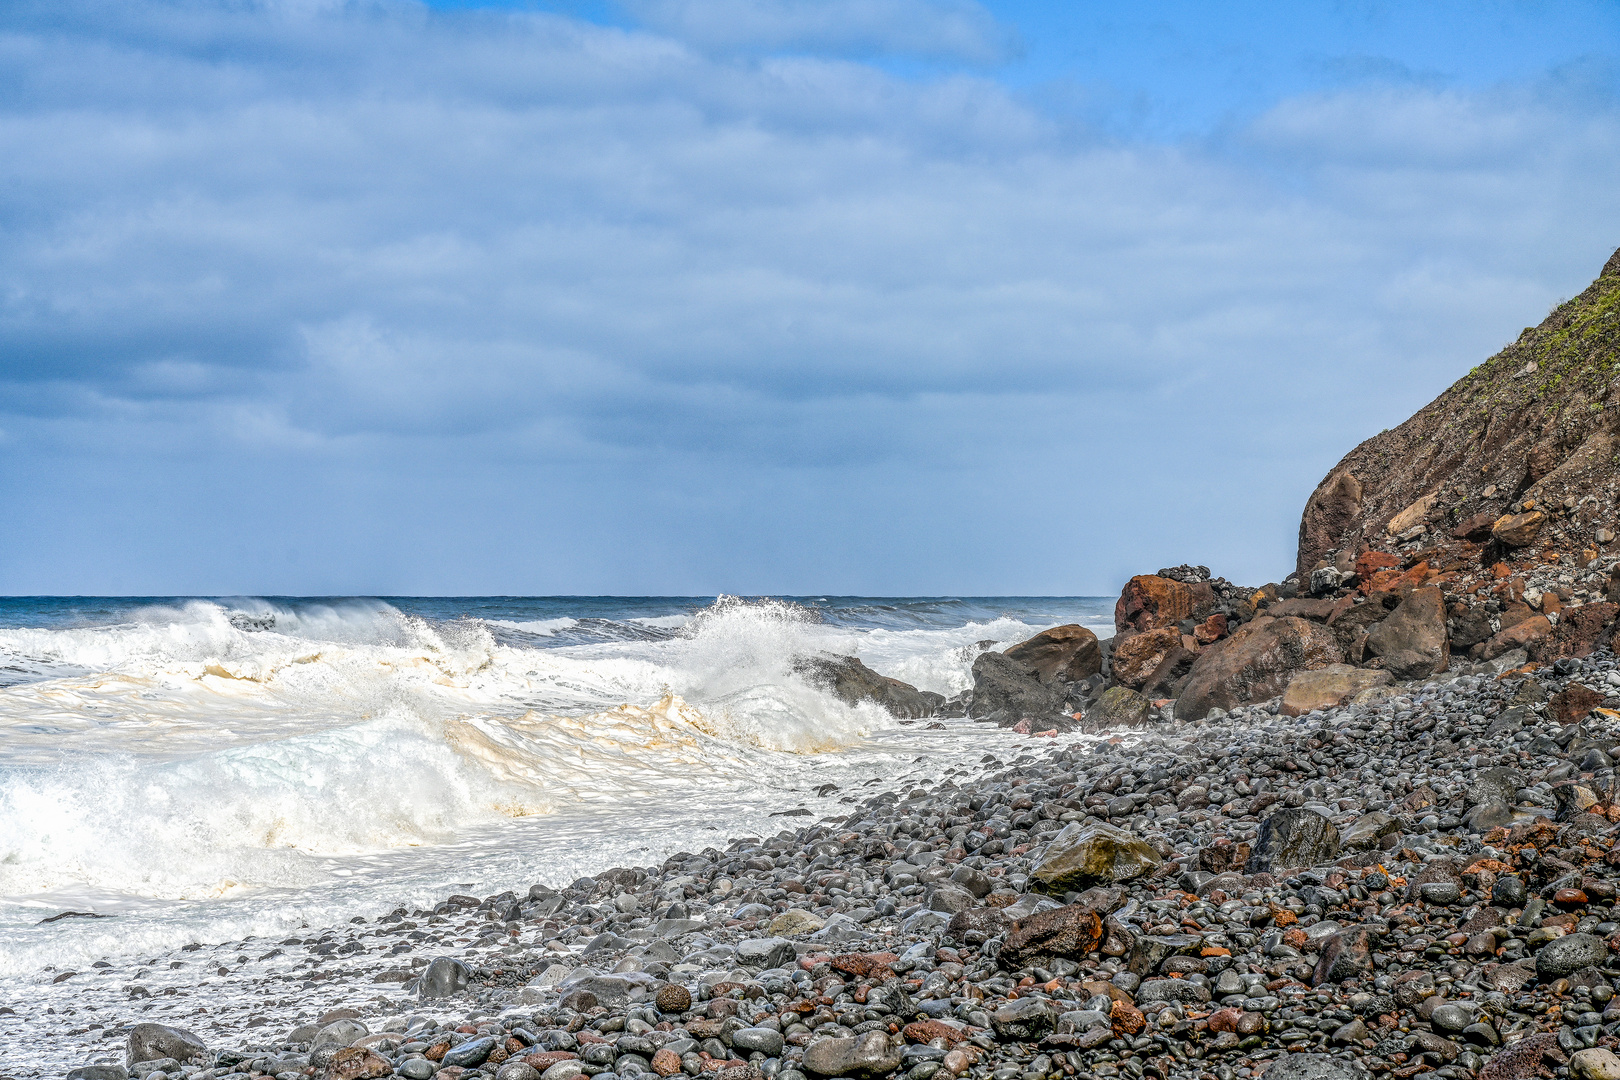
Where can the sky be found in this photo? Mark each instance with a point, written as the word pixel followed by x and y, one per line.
pixel 682 297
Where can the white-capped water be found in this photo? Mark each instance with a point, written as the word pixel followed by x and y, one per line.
pixel 208 771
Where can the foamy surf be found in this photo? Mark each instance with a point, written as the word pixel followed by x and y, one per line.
pixel 213 769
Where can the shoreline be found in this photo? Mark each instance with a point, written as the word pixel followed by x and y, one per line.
pixel 915 942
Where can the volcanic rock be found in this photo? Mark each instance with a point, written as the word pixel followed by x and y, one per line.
pixel 852 682
pixel 1256 662
pixel 1065 654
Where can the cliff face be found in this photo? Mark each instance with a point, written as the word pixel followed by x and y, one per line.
pixel 1533 434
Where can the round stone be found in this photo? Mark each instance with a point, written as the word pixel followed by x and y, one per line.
pixel 673 999
pixel 1451 1018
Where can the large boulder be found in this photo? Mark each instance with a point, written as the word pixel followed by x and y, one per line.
pixel 154 1042
pixel 1068 932
pixel 863 1057
pixel 1254 664
pixel 1521 635
pixel 1092 853
pixel 852 682
pixel 1568 954
pixel 1293 838
pixel 1412 640
pixel 445 977
pixel 1005 693
pixel 1149 602
pixel 1119 706
pixel 1138 656
pixel 1329 686
pixel 1064 654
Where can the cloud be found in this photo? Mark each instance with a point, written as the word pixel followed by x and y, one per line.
pixel 516 266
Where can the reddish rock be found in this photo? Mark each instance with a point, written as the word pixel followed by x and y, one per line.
pixel 1345 955
pixel 1476 527
pixel 928 1030
pixel 1139 656
pixel 1369 563
pixel 863 965
pixel 1210 630
pixel 357 1063
pixel 1225 1019
pixel 1518 530
pixel 1062 654
pixel 1580 630
pixel 665 1062
pixel 1149 602
pixel 1068 932
pixel 1255 663
pixel 545 1059
pixel 1522 1060
pixel 1126 1019
pixel 1573 703
pixel 1518 636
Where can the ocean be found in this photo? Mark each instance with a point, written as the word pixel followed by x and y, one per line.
pixel 180 770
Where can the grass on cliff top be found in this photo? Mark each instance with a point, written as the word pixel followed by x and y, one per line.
pixel 1575 349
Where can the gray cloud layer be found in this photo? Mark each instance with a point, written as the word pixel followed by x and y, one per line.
pixel 317 297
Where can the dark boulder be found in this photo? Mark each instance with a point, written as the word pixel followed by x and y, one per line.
pixel 1004 693
pixel 1294 838
pixel 1412 640
pixel 153 1042
pixel 1068 932
pixel 852 682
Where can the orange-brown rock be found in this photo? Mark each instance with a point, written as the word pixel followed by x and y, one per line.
pixel 1255 663
pixel 1062 654
pixel 357 1063
pixel 1518 636
pixel 665 1062
pixel 923 1031
pixel 1138 656
pixel 1370 562
pixel 1573 703
pixel 1149 602
pixel 1532 431
pixel 1210 630
pixel 1126 1018
pixel 1518 530
pixel 863 965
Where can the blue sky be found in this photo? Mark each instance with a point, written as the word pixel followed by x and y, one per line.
pixel 690 296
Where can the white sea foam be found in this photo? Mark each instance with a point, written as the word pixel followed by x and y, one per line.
pixel 538 627
pixel 212 770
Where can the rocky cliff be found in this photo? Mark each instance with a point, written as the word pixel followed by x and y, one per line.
pixel 1529 434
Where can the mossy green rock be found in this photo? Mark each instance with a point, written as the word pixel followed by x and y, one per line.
pixel 1092 853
